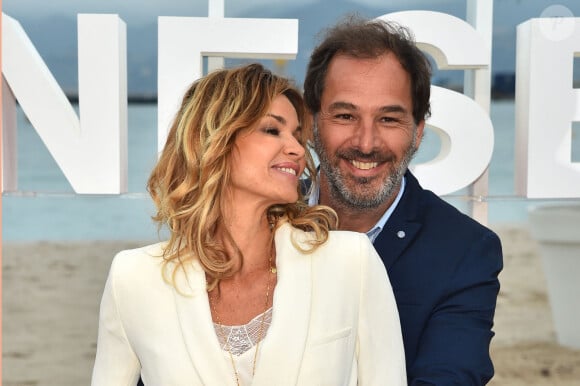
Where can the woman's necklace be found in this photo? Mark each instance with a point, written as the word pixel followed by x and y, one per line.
pixel 223 337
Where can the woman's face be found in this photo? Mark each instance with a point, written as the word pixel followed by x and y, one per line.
pixel 268 160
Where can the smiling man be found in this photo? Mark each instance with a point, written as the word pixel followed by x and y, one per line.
pixel 368 86
pixel 366 136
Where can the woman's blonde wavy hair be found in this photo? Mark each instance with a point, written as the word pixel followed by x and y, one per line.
pixel 193 172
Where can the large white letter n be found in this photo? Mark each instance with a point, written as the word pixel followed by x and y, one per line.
pixel 92 151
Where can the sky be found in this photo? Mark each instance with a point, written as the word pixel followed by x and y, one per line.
pixel 143 11
pixel 51 25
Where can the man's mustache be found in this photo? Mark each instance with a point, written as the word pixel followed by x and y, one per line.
pixel 374 156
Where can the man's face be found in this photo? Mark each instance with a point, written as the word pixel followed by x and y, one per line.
pixel 366 135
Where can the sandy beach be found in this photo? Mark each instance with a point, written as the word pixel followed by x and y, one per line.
pixel 51 294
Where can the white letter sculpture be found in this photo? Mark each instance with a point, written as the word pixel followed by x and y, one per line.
pixel 184 41
pixel 92 151
pixel 464 127
pixel 546 106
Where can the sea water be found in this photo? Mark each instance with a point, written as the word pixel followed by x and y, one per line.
pixel 45 207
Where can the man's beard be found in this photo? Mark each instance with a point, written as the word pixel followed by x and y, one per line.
pixel 360 194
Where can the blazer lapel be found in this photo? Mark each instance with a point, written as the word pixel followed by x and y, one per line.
pixel 403 225
pixel 283 349
pixel 196 324
pixel 394 239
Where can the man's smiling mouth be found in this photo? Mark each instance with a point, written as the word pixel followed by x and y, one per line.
pixel 363 165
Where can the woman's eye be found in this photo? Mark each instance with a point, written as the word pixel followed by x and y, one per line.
pixel 298 137
pixel 272 131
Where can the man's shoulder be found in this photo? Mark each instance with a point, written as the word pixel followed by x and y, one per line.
pixel 440 218
pixel 433 210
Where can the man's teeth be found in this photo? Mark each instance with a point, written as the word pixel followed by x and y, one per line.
pixel 288 170
pixel 364 165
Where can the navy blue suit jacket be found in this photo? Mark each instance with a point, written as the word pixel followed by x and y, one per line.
pixel 443 267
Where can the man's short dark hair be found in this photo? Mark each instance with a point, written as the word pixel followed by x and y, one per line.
pixel 363 38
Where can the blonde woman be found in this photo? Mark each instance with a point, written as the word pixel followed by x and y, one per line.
pixel 252 287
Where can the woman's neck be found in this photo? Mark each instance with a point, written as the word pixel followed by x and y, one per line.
pixel 252 234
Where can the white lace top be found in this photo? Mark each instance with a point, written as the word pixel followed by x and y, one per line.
pixel 241 340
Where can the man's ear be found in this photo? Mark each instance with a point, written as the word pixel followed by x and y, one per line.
pixel 419 132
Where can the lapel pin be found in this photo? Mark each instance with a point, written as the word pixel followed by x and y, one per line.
pixel 401 234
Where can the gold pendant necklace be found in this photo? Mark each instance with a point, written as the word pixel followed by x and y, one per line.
pixel 223 338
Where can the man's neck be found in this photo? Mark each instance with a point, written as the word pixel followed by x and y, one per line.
pixel 353 219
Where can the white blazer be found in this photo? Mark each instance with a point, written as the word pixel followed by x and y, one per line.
pixel 334 321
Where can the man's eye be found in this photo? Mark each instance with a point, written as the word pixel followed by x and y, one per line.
pixel 347 117
pixel 388 119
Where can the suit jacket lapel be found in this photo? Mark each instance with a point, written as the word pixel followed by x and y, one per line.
pixel 403 225
pixel 196 324
pixel 282 351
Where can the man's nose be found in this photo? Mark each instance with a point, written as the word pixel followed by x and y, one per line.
pixel 366 136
